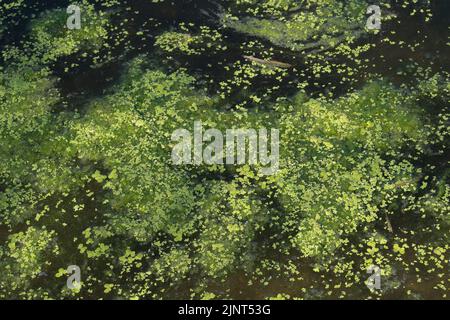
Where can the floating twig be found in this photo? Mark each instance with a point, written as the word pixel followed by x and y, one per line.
pixel 270 63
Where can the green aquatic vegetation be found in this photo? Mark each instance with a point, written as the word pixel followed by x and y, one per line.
pixel 312 25
pixel 341 179
pixel 148 193
pixel 25 258
pixel 47 30
pixel 86 177
pixel 204 41
pixel 50 39
pixel 27 134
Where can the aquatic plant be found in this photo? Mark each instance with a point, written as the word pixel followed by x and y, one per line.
pixel 86 177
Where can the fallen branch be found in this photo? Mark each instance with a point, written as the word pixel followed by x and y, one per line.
pixel 389 225
pixel 270 63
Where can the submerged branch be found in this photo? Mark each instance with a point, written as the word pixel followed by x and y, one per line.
pixel 270 63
